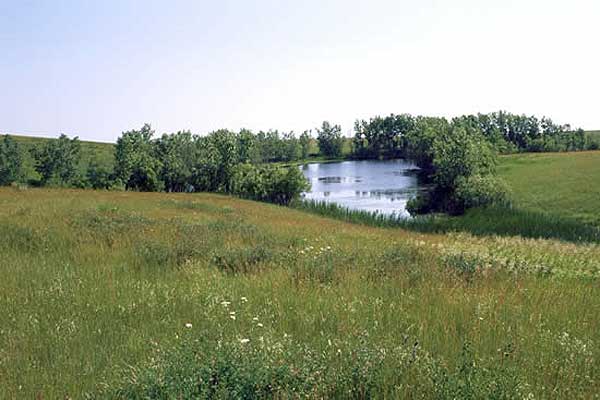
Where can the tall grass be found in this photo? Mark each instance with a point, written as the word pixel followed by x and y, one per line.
pixel 150 295
pixel 501 221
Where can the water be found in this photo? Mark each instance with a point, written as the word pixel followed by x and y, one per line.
pixel 372 185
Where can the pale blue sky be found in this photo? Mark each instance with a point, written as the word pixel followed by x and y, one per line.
pixel 97 68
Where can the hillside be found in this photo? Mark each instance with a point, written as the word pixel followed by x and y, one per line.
pixel 146 295
pixel 565 184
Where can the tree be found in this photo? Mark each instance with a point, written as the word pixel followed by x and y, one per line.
pixel 462 169
pixel 11 161
pixel 57 161
pixel 136 164
pixel 291 147
pixel 177 155
pixel 304 144
pixel 247 147
pixel 382 137
pixel 330 140
pixel 217 157
pixel 99 176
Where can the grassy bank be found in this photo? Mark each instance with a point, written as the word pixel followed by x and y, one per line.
pixel 500 221
pixel 163 295
pixel 563 184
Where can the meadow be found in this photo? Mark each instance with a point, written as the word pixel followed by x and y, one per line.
pixel 565 184
pixel 155 295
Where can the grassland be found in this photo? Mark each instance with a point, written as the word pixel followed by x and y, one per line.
pixel 168 295
pixel 565 184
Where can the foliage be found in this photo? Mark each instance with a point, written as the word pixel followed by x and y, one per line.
pixel 99 176
pixel 481 191
pixel 136 164
pixel 247 147
pixel 330 140
pixel 277 185
pixel 382 137
pixel 11 161
pixel 176 153
pixel 461 165
pixel 57 161
pixel 304 142
pixel 215 163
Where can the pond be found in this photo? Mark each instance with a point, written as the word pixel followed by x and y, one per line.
pixel 370 185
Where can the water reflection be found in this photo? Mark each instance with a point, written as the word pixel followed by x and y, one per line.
pixel 382 186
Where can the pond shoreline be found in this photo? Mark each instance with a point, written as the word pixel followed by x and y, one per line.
pixel 382 186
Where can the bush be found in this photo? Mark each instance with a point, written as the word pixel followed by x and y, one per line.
pixel 479 191
pixel 277 185
pixel 99 176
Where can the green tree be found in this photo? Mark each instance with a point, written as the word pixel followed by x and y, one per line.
pixel 136 164
pixel 330 140
pixel 177 154
pixel 247 147
pixel 217 157
pixel 291 145
pixel 57 161
pixel 11 161
pixel 304 140
pixel 462 169
pixel 99 175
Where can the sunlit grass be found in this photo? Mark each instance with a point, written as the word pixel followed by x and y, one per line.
pixel 129 294
pixel 564 184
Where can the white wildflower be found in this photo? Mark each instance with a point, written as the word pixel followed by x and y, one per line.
pixel 244 341
pixel 188 325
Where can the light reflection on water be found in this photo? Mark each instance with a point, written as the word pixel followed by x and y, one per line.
pixel 371 185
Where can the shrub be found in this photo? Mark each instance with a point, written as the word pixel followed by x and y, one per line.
pixel 277 185
pixel 99 176
pixel 479 191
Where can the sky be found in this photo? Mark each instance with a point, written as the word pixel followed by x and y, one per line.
pixel 94 69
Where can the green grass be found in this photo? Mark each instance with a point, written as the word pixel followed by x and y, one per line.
pixel 150 295
pixel 500 221
pixel 563 184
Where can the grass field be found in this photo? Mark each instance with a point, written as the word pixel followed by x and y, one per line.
pixel 566 184
pixel 133 295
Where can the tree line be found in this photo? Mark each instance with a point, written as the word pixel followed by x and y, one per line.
pixel 223 161
pixel 389 137
pixel 457 157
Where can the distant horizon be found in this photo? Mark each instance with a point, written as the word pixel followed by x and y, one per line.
pixel 96 69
